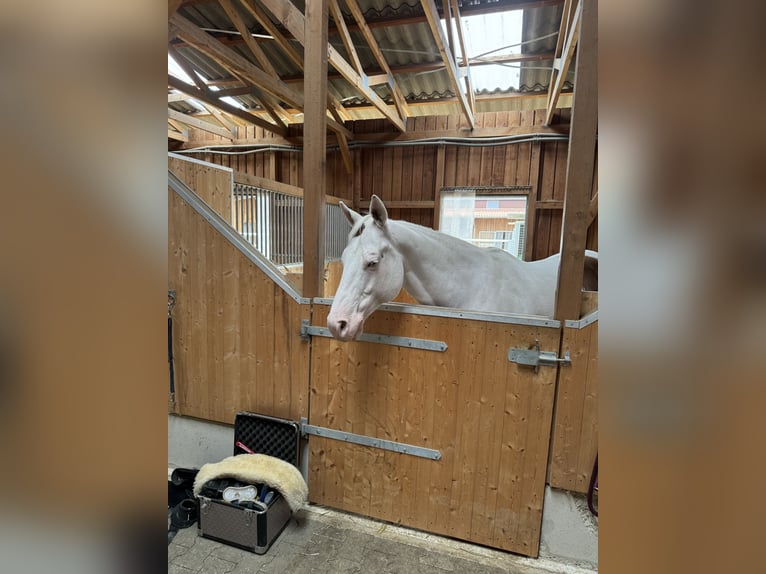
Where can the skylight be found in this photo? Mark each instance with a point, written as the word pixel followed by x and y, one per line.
pixel 492 35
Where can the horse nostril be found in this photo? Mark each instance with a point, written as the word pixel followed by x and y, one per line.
pixel 342 326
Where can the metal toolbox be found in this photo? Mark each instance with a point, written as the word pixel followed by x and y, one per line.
pixel 253 529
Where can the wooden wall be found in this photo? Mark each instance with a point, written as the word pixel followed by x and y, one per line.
pixel 574 444
pixel 213 185
pixel 236 333
pixel 491 420
pixel 413 175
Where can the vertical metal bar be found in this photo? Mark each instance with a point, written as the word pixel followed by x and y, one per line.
pixel 252 216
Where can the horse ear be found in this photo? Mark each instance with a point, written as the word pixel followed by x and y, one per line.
pixel 350 214
pixel 378 211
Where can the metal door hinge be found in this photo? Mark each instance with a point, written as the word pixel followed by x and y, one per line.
pixel 535 357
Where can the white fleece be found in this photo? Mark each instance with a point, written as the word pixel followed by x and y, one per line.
pixel 258 469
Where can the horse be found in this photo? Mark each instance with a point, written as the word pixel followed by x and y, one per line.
pixel 383 255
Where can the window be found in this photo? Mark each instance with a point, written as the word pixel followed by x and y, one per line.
pixel 486 217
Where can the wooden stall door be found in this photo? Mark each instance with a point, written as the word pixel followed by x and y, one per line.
pixel 491 420
pixel 574 444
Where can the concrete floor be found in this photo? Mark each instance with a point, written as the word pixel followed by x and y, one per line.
pixel 324 541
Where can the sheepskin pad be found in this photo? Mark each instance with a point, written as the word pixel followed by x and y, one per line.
pixel 258 469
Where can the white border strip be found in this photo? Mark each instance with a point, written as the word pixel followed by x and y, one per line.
pixel 200 162
pixel 459 314
pixel 584 322
pixel 233 237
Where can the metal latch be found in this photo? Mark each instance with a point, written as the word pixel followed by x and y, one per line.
pixel 535 357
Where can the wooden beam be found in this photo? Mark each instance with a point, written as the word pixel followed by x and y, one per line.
pixel 438 184
pixel 345 36
pixel 235 63
pixel 561 65
pixel 447 15
pixel 226 122
pixel 580 167
pixel 178 125
pixel 260 55
pixel 593 209
pixel 315 148
pixel 535 167
pixel 263 19
pixel 177 97
pixel 179 136
pixel 399 99
pixel 379 77
pixel 187 68
pixel 365 204
pixel 460 35
pixel 208 98
pixel 199 124
pixel 345 152
pixel 292 19
pixel 436 30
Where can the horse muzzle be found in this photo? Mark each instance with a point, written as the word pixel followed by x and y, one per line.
pixel 345 328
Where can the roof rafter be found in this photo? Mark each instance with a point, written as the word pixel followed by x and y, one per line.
pixel 441 42
pixel 232 61
pixel 260 56
pixel 399 99
pixel 461 41
pixel 345 36
pixel 200 124
pixel 570 29
pixel 268 104
pixel 208 98
pixel 292 19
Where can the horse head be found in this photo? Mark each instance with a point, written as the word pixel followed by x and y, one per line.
pixel 373 271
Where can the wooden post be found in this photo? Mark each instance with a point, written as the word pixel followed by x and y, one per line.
pixel 438 184
pixel 315 148
pixel 580 164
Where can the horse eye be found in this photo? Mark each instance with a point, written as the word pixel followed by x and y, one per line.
pixel 371 264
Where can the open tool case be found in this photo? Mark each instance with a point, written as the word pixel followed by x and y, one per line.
pixel 228 511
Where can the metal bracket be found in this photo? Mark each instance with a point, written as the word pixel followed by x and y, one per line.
pixel 536 358
pixel 400 447
pixel 308 330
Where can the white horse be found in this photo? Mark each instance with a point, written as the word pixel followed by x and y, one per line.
pixel 384 255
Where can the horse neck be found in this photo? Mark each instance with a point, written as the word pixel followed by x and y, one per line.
pixel 432 261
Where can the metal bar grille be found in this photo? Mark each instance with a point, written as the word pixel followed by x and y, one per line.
pixel 273 223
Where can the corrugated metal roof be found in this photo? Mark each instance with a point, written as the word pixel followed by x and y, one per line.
pixel 402 45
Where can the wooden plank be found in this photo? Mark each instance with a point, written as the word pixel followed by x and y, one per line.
pixel 213 185
pixel 574 442
pixel 315 147
pixel 490 427
pixel 179 136
pixel 532 201
pixel 580 165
